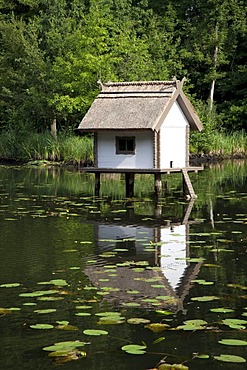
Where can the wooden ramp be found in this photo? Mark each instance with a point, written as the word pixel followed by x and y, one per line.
pixel 188 188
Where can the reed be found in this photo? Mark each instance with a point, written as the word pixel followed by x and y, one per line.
pixel 66 148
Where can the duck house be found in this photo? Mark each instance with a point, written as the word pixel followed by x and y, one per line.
pixel 141 127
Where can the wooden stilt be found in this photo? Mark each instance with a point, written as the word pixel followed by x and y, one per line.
pixel 97 184
pixel 158 184
pixel 129 184
pixel 187 186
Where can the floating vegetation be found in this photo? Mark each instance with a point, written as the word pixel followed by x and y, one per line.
pixel 157 327
pixel 205 298
pixel 10 285
pixel 221 310
pixel 233 342
pixel 42 326
pixel 134 349
pixel 230 358
pixel 95 332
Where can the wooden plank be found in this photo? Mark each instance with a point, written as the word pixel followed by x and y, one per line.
pixel 140 170
pixel 188 188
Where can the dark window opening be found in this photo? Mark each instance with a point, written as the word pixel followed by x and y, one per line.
pixel 125 145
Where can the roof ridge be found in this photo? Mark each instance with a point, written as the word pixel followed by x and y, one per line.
pixel 138 83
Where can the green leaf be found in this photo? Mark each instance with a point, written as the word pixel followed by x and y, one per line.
pixel 157 327
pixel 45 311
pixel 42 326
pixel 10 285
pixel 134 349
pixel 205 298
pixel 64 346
pixel 230 358
pixel 221 310
pixel 138 320
pixel 233 342
pixel 95 332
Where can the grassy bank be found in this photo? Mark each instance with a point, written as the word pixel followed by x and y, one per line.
pixel 78 150
pixel 66 148
pixel 219 144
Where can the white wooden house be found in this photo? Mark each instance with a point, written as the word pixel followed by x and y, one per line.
pixel 141 125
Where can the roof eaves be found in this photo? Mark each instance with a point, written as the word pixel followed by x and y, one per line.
pixel 189 111
pixel 161 118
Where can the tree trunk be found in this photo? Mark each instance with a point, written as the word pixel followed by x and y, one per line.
pixel 215 59
pixel 54 128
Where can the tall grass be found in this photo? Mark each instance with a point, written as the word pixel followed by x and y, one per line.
pixel 33 146
pixel 214 140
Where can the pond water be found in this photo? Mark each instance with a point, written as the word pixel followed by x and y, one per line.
pixel 101 274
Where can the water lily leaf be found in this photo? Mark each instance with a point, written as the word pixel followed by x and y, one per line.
pixel 42 326
pixel 64 346
pixel 83 307
pixel 195 260
pixel 202 356
pixel 232 323
pixel 62 322
pixel 230 358
pixel 157 327
pixel 49 299
pixel 132 291
pixel 108 314
pixel 45 311
pixel 157 286
pixel 59 282
pixel 164 312
pixel 95 332
pixel 221 310
pixel 131 304
pixel 138 320
pixel 205 298
pixel 134 349
pixel 172 367
pixel 233 342
pixel 202 282
pixel 195 322
pixel 4 311
pixel 83 314
pixel 158 340
pixel 10 285
pixel 38 293
pixel 67 327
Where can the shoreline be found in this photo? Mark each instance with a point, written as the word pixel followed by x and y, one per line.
pixel 195 159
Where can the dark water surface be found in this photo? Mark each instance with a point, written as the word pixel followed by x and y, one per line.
pixel 167 262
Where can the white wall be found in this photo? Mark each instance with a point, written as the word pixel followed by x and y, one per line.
pixel 107 234
pixel 173 139
pixel 173 254
pixel 107 157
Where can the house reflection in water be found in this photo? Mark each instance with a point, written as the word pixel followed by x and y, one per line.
pixel 150 259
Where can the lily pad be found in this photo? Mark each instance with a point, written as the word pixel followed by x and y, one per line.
pixel 134 349
pixel 64 346
pixel 230 358
pixel 95 332
pixel 10 285
pixel 42 326
pixel 233 342
pixel 45 311
pixel 206 298
pixel 221 310
pixel 173 367
pixel 138 320
pixel 157 327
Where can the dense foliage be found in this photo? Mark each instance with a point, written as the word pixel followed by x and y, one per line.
pixel 52 52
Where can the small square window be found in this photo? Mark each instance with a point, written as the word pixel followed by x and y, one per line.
pixel 125 145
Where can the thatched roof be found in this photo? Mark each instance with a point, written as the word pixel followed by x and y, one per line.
pixel 137 106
